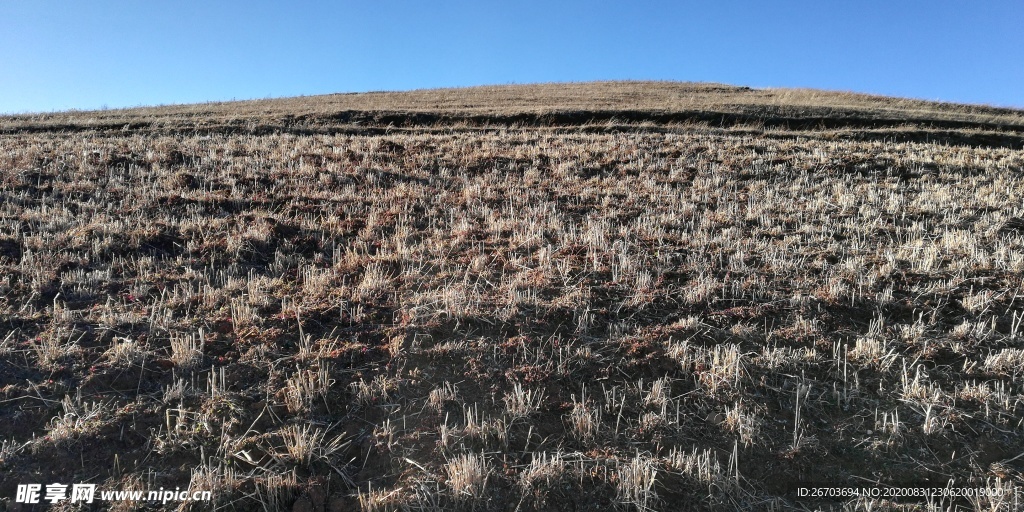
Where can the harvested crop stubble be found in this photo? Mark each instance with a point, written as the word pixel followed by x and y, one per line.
pixel 646 314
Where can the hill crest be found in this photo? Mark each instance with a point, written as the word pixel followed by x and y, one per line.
pixel 589 105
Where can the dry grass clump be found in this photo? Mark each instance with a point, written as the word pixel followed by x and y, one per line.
pixel 544 470
pixel 501 310
pixel 186 350
pixel 442 395
pixel 306 386
pixel 77 418
pixel 635 483
pixel 467 475
pixel 304 444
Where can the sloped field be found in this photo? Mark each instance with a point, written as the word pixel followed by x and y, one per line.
pixel 685 297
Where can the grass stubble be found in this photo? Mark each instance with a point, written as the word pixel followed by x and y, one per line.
pixel 515 315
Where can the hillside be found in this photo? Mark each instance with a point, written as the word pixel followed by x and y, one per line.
pixel 628 295
pixel 593 105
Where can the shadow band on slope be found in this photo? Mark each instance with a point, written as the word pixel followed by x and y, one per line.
pixel 358 122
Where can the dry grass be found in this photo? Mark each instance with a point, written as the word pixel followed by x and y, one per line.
pixel 642 313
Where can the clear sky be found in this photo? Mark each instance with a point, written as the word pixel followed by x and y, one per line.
pixel 86 55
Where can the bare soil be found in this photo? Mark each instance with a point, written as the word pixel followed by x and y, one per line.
pixel 626 295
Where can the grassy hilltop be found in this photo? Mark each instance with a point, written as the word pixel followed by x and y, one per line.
pixel 628 295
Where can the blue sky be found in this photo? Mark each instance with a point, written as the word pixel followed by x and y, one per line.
pixel 70 54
